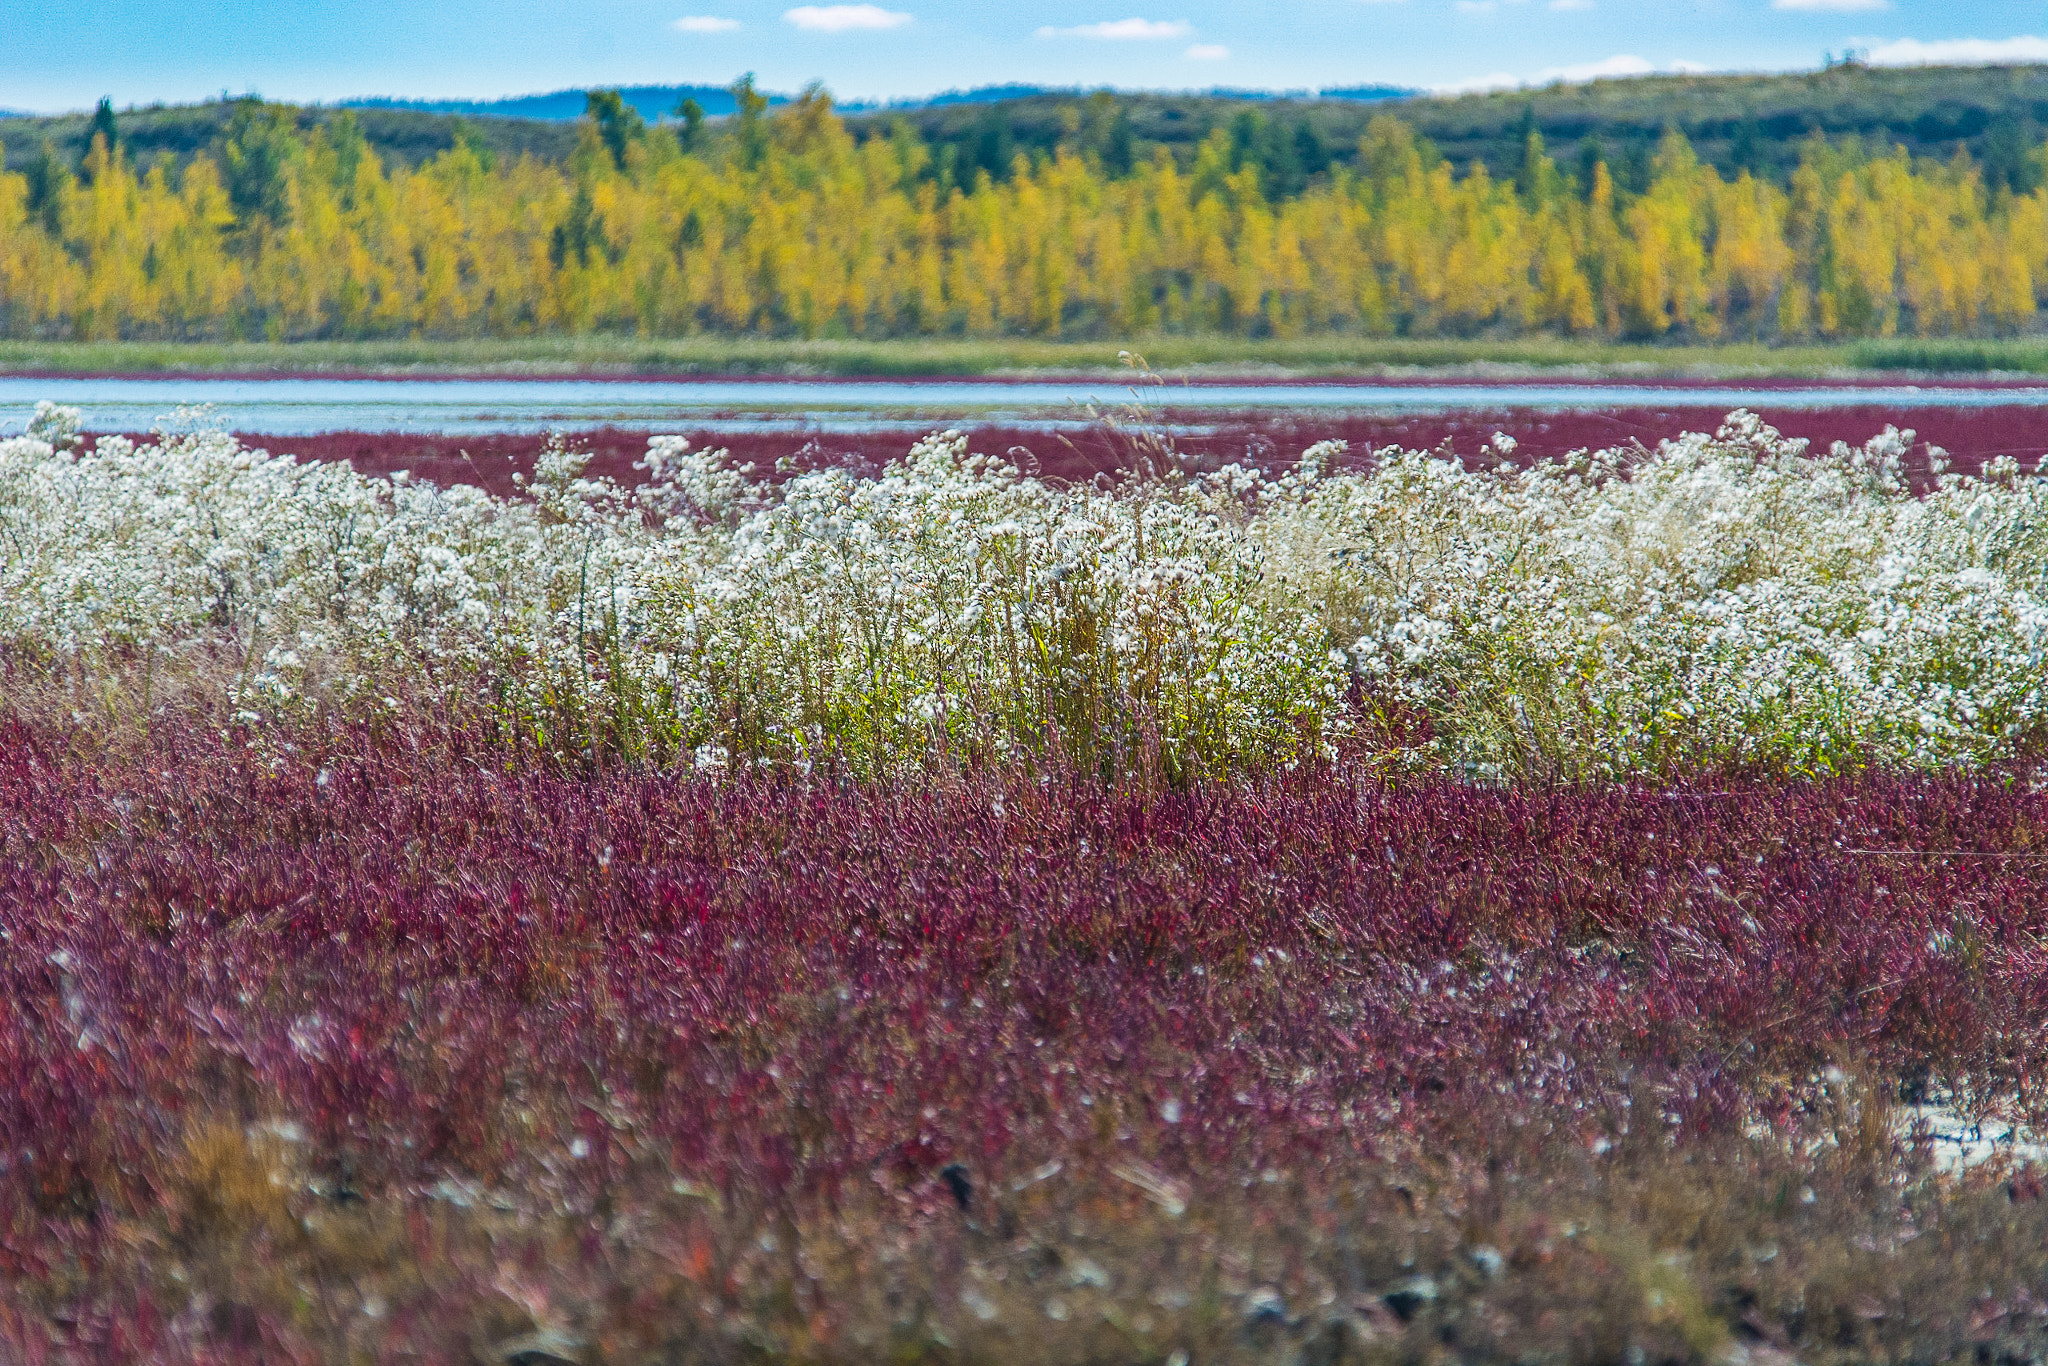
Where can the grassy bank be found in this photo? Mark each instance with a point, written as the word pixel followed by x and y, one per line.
pixel 618 355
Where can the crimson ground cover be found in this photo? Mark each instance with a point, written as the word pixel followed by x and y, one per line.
pixel 351 1045
pixel 1971 436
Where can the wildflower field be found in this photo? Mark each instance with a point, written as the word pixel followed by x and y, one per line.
pixel 1346 908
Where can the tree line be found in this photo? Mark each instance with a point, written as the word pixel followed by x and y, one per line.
pixel 781 222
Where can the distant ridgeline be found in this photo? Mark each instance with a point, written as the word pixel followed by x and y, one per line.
pixel 651 102
pixel 1850 202
pixel 656 102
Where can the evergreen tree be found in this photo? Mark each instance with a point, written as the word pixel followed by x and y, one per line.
pixel 1538 180
pixel 48 179
pixel 1309 151
pixel 1247 130
pixel 467 137
pixel 581 234
pixel 1525 126
pixel 1746 151
pixel 102 127
pixel 692 115
pixel 1636 169
pixel 1119 149
pixel 1591 154
pixel 1107 131
pixel 259 147
pixel 993 146
pixel 351 148
pixel 749 121
pixel 619 124
pixel 2010 157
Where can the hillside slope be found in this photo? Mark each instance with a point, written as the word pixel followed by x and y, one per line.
pixel 400 136
pixel 1746 122
pixel 1999 115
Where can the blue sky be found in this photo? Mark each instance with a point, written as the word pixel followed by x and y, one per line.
pixel 66 55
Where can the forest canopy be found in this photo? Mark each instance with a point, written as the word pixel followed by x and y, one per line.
pixel 794 221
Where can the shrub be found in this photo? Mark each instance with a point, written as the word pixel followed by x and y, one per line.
pixel 1724 603
pixel 954 605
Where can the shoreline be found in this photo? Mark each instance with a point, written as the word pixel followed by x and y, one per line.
pixel 1193 360
pixel 1388 378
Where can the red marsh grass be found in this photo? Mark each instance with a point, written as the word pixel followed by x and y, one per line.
pixel 490 459
pixel 354 1046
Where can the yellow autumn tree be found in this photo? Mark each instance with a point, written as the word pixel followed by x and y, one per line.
pixel 786 224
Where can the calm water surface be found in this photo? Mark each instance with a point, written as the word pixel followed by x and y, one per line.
pixel 294 406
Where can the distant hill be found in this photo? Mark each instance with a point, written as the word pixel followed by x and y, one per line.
pixel 984 94
pixel 1367 92
pixel 657 101
pixel 652 101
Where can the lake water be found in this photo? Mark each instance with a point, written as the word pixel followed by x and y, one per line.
pixel 456 406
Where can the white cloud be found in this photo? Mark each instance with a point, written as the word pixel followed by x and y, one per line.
pixel 1123 30
pixel 704 23
pixel 1625 64
pixel 1563 5
pixel 844 18
pixel 1206 52
pixel 1960 52
pixel 1832 6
